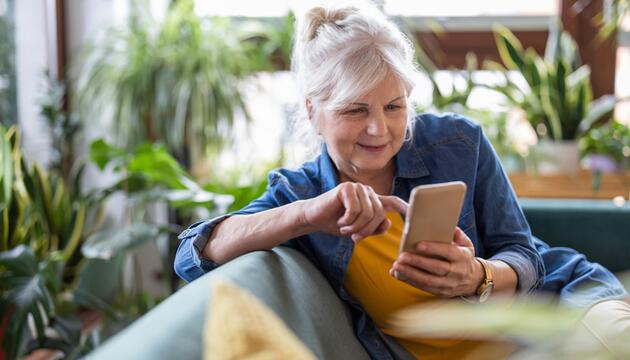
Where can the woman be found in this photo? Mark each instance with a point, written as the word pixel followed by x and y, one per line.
pixel 343 210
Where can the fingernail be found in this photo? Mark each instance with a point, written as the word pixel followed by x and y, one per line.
pixel 421 246
pixel 344 230
pixel 396 274
pixel 356 237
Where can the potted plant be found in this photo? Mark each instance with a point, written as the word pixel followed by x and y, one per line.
pixel 556 95
pixel 175 81
pixel 41 229
pixel 607 148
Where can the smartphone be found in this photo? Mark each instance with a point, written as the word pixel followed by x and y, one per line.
pixel 433 213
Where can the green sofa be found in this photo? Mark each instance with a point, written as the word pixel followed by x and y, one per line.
pixel 293 288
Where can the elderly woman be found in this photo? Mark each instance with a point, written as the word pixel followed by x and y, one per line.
pixel 343 209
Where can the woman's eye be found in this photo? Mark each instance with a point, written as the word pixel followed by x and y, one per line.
pixel 392 107
pixel 355 111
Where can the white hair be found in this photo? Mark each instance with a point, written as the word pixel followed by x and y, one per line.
pixel 342 52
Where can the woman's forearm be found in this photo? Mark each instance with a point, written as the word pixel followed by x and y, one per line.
pixel 241 234
pixel 505 278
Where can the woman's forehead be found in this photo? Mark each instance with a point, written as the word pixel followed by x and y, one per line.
pixel 388 90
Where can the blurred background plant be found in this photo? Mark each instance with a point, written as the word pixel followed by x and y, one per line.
pixel 8 94
pixel 556 96
pixel 538 327
pixel 611 142
pixel 42 225
pixel 609 19
pixel 64 129
pixel 176 80
pixel 49 234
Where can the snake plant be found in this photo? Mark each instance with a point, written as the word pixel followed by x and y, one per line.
pixel 556 95
pixel 42 226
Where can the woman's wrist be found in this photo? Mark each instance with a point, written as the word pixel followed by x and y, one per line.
pixel 478 277
pixel 302 225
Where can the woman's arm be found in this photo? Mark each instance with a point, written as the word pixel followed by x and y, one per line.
pixel 241 234
pixel 350 209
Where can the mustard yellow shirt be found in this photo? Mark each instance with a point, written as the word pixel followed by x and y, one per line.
pixel 368 281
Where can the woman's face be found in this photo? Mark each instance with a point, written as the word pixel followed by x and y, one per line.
pixel 363 138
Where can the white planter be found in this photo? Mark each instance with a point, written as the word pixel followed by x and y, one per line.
pixel 558 157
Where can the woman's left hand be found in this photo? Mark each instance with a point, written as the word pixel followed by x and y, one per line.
pixel 445 270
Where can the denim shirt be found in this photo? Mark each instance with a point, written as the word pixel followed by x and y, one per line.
pixel 441 149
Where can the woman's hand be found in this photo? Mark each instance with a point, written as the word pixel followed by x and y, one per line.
pixel 351 209
pixel 446 270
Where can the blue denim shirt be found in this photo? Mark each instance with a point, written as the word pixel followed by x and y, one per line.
pixel 441 149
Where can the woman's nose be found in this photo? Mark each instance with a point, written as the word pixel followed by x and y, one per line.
pixel 376 125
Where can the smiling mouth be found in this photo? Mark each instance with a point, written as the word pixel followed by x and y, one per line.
pixel 373 148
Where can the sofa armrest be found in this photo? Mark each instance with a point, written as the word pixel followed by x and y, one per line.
pixel 597 228
pixel 283 279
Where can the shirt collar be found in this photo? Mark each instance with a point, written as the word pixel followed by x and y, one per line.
pixel 409 164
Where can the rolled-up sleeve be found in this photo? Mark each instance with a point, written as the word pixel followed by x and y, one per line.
pixel 189 262
pixel 502 226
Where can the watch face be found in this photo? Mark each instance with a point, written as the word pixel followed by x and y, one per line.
pixel 485 294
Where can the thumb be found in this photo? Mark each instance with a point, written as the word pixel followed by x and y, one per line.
pixel 394 203
pixel 460 238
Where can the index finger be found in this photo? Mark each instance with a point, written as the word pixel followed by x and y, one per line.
pixel 394 203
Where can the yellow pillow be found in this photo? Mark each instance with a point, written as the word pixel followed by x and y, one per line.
pixel 238 326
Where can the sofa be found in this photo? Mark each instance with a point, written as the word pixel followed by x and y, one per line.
pixel 296 291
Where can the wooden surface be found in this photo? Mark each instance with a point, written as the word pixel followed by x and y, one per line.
pixel 578 186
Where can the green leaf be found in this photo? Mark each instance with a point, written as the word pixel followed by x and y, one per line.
pixel 510 49
pixel 77 233
pixel 109 242
pixel 103 153
pixel 530 320
pixel 19 260
pixel 154 162
pixel 599 110
pixel 28 290
pixel 7 167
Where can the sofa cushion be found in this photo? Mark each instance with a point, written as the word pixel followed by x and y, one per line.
pixel 283 279
pixel 240 326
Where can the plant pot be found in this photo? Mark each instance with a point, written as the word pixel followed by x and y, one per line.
pixel 558 157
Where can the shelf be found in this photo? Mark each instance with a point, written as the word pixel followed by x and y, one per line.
pixel 579 186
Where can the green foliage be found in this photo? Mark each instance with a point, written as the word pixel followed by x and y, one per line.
pixel 64 128
pixel 111 241
pixel 611 17
pixel 8 93
pixel 557 95
pixel 612 139
pixel 269 45
pixel 41 228
pixel 456 97
pixel 242 194
pixel 174 81
pixel 149 174
pixel 540 325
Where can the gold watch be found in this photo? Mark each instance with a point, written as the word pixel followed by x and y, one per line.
pixel 485 289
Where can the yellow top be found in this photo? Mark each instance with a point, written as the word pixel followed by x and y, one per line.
pixel 368 280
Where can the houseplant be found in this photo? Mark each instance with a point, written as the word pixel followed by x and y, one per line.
pixel 556 94
pixel 608 147
pixel 174 81
pixel 42 225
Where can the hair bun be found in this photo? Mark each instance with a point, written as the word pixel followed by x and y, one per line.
pixel 319 16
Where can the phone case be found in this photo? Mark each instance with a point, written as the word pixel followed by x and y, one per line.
pixel 433 213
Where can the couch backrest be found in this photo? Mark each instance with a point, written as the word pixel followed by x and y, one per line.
pixel 597 228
